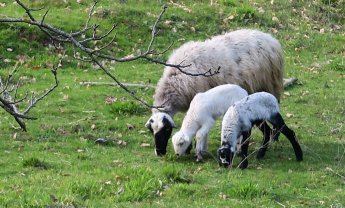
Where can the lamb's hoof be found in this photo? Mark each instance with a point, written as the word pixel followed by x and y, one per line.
pixel 261 153
pixel 244 164
pixel 198 158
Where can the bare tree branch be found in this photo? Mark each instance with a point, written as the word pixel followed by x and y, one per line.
pixel 80 40
pixel 61 36
pixel 9 101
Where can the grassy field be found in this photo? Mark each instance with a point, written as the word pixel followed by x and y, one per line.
pixel 56 163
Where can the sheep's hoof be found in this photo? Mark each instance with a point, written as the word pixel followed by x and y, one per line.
pixel 261 153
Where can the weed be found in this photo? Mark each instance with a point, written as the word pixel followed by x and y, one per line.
pixel 245 13
pixel 86 190
pixel 126 108
pixel 228 2
pixel 337 65
pixel 175 175
pixel 248 191
pixel 35 163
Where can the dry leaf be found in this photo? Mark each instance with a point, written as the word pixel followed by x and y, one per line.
pixel 107 182
pixel 110 99
pixel 274 30
pixel 261 10
pixel 289 115
pixel 65 97
pixel 9 49
pixel 2 4
pixel 80 150
pixel 145 145
pixel 21 58
pixel 117 163
pixel 275 19
pixel 121 142
pixel 287 93
pixel 93 126
pixel 169 22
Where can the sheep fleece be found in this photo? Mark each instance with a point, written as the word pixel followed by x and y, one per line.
pixel 248 58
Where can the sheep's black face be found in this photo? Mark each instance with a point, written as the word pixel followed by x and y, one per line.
pixel 225 156
pixel 161 126
pixel 162 137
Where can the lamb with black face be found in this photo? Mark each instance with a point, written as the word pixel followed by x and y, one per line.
pixel 225 156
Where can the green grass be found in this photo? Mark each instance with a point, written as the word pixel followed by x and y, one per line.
pixel 58 164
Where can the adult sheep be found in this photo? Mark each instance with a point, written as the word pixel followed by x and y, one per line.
pixel 248 58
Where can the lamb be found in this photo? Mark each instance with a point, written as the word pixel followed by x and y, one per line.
pixel 204 109
pixel 248 58
pixel 239 119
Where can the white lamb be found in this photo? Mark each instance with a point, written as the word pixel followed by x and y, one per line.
pixel 204 109
pixel 248 58
pixel 239 119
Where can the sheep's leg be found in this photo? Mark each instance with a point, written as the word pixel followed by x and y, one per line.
pixel 266 131
pixel 244 149
pixel 280 126
pixel 201 140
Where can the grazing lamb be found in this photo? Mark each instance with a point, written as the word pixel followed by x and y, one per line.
pixel 248 58
pixel 239 119
pixel 203 111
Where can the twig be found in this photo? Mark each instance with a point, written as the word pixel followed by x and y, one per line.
pixel 332 171
pixel 115 84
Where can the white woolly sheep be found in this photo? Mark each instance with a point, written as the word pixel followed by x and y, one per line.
pixel 248 58
pixel 239 119
pixel 204 109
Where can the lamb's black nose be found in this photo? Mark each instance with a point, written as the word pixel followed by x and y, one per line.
pixel 177 154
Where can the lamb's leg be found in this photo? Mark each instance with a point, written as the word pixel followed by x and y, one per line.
pixel 201 140
pixel 280 126
pixel 244 149
pixel 266 131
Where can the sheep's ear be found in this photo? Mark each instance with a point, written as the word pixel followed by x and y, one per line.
pixel 173 125
pixel 148 123
pixel 171 121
